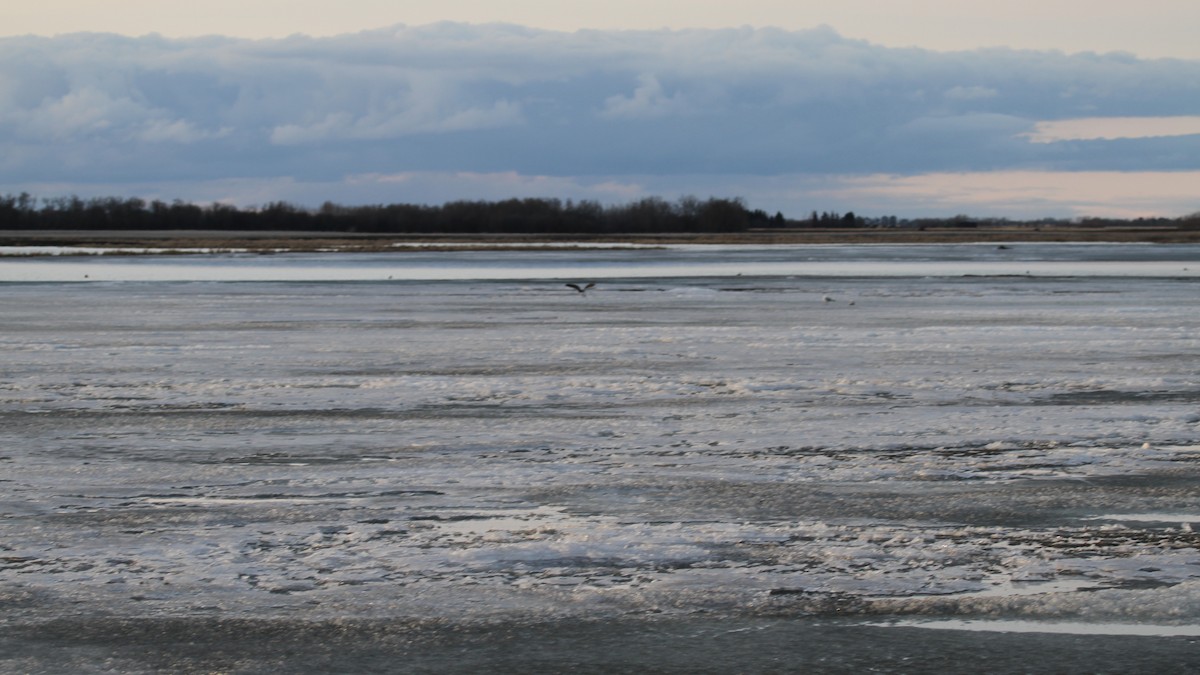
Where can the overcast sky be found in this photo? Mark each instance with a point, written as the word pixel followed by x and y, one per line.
pixel 1056 107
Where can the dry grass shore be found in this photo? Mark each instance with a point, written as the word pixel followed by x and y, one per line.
pixel 186 241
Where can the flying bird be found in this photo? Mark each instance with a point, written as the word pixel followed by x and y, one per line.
pixel 582 289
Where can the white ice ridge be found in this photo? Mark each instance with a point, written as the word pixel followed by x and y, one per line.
pixel 42 264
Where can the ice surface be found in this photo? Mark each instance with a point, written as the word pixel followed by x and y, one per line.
pixel 999 448
pixel 609 262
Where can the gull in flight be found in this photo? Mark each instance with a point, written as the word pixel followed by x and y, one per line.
pixel 582 289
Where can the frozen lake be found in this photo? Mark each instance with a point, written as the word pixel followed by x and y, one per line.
pixel 719 458
pixel 614 261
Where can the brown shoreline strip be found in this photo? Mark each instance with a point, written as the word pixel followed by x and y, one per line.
pixel 183 241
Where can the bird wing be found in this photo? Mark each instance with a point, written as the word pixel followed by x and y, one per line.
pixel 575 286
pixel 590 285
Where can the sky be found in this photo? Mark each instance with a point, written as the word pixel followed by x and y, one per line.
pixel 1057 108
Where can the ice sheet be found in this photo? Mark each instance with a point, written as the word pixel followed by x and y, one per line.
pixel 991 447
pixel 607 262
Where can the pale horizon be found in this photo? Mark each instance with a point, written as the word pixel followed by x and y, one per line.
pixel 1056 108
pixel 1150 29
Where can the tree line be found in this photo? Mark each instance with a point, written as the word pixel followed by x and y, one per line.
pixel 649 215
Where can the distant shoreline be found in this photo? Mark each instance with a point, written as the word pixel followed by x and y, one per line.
pixel 193 241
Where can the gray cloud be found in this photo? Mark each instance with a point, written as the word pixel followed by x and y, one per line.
pixel 498 98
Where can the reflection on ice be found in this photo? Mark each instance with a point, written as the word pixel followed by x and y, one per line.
pixel 1070 628
pixel 1180 518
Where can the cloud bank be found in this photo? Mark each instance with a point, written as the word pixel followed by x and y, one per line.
pixel 588 110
